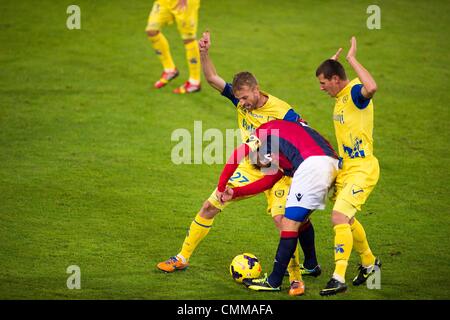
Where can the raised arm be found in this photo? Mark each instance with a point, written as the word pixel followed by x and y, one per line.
pixel 208 67
pixel 369 85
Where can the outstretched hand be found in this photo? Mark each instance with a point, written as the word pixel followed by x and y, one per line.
pixel 336 55
pixel 352 51
pixel 205 42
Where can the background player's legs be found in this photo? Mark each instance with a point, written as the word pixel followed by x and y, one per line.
pixel 187 23
pixel 193 60
pixel 162 49
pixel 160 16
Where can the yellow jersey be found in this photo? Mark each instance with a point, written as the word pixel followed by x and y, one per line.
pixel 353 122
pixel 249 121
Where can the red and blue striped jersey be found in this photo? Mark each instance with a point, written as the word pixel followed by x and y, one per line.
pixel 293 142
pixel 290 143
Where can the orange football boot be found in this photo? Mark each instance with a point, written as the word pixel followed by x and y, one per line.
pixel 187 87
pixel 166 77
pixel 171 265
pixel 297 288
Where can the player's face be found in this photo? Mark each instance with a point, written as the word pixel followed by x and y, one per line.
pixel 248 97
pixel 331 86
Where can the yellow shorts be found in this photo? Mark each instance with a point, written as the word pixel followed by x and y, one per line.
pixel 354 183
pixel 164 12
pixel 245 174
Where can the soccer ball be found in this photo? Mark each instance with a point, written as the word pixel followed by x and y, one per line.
pixel 245 266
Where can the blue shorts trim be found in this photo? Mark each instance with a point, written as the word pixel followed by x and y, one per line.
pixel 298 214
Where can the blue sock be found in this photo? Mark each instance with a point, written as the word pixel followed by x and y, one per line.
pixel 306 239
pixel 286 248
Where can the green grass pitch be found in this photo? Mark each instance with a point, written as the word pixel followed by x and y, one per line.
pixel 86 176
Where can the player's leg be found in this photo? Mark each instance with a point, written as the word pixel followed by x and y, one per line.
pixel 293 268
pixel 198 230
pixel 308 192
pixel 187 22
pixel 369 262
pixel 276 199
pixel 306 237
pixel 276 202
pixel 203 221
pixel 349 233
pixel 159 16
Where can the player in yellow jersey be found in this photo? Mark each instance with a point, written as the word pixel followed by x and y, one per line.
pixel 254 107
pixel 353 123
pixel 185 13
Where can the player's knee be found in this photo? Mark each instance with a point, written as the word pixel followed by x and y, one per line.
pixel 278 220
pixel 339 218
pixel 208 211
pixel 152 33
pixel 289 225
pixel 186 41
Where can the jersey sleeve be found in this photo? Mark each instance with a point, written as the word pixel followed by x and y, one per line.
pixel 359 100
pixel 230 167
pixel 228 92
pixel 265 183
pixel 292 116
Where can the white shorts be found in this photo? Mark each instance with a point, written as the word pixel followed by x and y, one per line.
pixel 311 182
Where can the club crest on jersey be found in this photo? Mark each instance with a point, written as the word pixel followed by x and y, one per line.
pixel 345 99
pixel 279 193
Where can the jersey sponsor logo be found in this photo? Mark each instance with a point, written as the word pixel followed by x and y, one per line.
pixel 356 151
pixel 279 193
pixel 299 196
pixel 357 191
pixel 256 115
pixel 339 118
pixel 248 126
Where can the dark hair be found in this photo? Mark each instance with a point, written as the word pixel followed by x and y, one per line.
pixel 244 79
pixel 330 68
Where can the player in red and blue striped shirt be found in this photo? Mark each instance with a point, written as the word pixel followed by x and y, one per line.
pixel 285 148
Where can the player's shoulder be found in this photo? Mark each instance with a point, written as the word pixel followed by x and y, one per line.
pixel 274 107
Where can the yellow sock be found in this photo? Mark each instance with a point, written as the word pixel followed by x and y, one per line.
pixel 198 230
pixel 361 245
pixel 294 267
pixel 343 243
pixel 193 60
pixel 162 49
